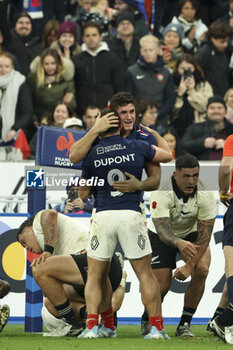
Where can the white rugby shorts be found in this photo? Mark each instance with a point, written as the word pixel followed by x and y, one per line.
pixel 127 226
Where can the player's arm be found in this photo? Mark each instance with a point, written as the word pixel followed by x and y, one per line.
pixel 49 227
pixel 81 147
pixel 152 182
pixel 163 228
pixel 225 172
pixel 163 152
pixel 48 222
pixel 204 229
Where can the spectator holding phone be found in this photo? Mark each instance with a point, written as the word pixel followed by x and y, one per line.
pixel 73 204
pixel 192 94
pixel 171 46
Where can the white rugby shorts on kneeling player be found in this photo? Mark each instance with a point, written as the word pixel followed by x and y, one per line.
pixel 128 226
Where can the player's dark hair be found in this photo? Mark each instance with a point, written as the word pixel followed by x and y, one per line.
pixel 121 99
pixel 114 129
pixel 186 161
pixel 26 223
pixel 5 288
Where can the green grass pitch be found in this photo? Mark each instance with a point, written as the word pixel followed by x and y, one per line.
pixel 129 338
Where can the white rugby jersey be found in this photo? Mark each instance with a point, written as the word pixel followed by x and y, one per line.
pixel 72 234
pixel 183 214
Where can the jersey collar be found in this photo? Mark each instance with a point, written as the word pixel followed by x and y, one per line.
pixel 181 194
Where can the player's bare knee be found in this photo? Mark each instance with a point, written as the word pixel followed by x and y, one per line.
pixel 37 271
pixel 202 270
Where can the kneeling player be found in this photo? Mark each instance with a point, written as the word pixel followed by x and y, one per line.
pixel 62 280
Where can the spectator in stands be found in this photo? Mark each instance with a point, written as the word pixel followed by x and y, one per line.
pixel 140 26
pixel 171 45
pixel 66 43
pixel 50 80
pixel 40 11
pixel 49 34
pixel 100 13
pixel 2 50
pixel 192 94
pixel 147 114
pixel 15 100
pixel 206 140
pixel 61 112
pixel 82 8
pixel 20 40
pixel 73 203
pixel 194 29
pixel 228 17
pixel 73 123
pixel 148 79
pixel 173 140
pixel 90 115
pixel 214 57
pixel 98 72
pixel 228 98
pixel 125 44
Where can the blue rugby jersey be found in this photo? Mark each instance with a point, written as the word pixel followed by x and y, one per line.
pixel 109 160
pixel 140 133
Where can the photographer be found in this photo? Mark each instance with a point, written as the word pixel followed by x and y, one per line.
pixel 192 93
pixel 73 204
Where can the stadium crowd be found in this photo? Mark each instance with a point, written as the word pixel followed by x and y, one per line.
pixel 170 67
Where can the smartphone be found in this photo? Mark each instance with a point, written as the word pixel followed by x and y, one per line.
pixel 166 49
pixel 72 195
pixel 187 74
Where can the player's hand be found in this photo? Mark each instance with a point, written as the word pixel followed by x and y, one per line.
pixel 104 123
pixel 131 185
pixel 41 258
pixel 225 198
pixel 187 249
pixel 182 273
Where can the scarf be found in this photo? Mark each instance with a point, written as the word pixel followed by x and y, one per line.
pixel 8 100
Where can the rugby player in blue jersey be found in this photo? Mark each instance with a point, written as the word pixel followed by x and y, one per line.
pixel 118 217
pixel 122 104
